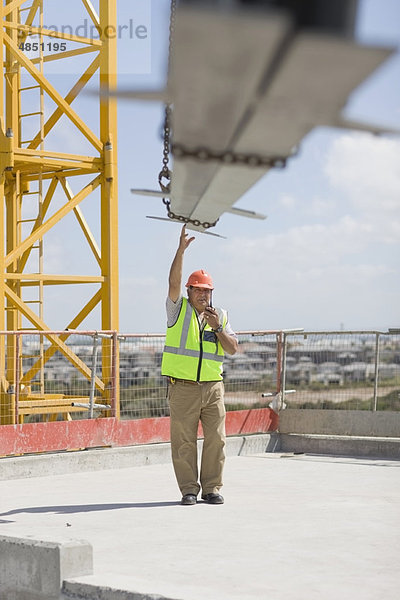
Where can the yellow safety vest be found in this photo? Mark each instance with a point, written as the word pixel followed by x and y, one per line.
pixel 191 353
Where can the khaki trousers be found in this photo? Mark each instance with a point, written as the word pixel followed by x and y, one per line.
pixel 191 402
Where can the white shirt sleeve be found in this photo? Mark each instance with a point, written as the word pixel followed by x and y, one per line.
pixel 229 330
pixel 173 310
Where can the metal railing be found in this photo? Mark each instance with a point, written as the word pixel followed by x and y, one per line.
pixel 343 369
pixel 85 374
pixel 57 375
pixel 254 369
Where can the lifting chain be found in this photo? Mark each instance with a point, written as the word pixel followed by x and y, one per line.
pixel 182 219
pixel 202 154
pixel 165 173
pixel 228 157
pixel 164 177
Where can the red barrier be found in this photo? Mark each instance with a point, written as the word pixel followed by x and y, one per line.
pixel 91 433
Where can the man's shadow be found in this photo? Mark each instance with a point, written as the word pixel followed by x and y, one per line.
pixel 82 508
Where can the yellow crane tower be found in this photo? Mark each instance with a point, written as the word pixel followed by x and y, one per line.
pixel 31 174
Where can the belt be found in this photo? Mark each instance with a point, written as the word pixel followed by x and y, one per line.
pixel 177 380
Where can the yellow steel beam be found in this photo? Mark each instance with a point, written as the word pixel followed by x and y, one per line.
pixel 93 14
pixel 109 189
pixel 27 152
pixel 28 30
pixel 74 324
pixel 12 81
pixel 35 6
pixel 3 384
pixel 39 219
pixel 27 163
pixel 33 165
pixel 30 279
pixel 47 225
pixel 32 12
pixel 66 54
pixel 27 177
pixel 55 339
pixel 12 6
pixel 82 222
pixel 52 92
pixel 69 98
pixel 49 409
pixel 51 399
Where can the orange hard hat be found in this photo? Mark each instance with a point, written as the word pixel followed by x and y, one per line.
pixel 200 279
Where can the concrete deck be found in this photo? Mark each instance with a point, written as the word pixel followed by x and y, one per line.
pixel 293 527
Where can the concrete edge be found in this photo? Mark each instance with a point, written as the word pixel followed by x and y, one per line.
pixel 98 459
pixel 340 445
pixel 35 569
pixel 383 423
pixel 85 591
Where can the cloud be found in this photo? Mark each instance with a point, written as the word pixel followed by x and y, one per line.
pixel 367 169
pixel 316 206
pixel 288 201
pixel 309 278
pixel 320 207
pixel 342 267
pixel 303 247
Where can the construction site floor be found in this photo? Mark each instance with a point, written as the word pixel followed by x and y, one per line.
pixel 293 527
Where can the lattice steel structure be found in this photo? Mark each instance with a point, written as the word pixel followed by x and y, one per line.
pixel 32 174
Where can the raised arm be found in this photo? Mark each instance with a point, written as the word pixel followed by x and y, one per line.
pixel 175 273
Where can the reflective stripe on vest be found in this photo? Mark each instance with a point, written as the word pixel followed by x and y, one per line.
pixel 183 350
pixel 194 353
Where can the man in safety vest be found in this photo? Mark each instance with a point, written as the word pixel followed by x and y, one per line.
pixel 197 337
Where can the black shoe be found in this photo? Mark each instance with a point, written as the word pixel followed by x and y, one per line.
pixel 188 499
pixel 213 498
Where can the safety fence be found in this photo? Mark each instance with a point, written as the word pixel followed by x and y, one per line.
pixel 73 375
pixel 57 375
pixel 253 370
pixel 356 370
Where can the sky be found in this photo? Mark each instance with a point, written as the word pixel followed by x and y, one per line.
pixel 327 256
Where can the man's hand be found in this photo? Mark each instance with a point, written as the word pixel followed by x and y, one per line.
pixel 184 240
pixel 175 273
pixel 228 342
pixel 211 317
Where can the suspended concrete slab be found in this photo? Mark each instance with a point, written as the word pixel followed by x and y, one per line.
pixel 248 83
